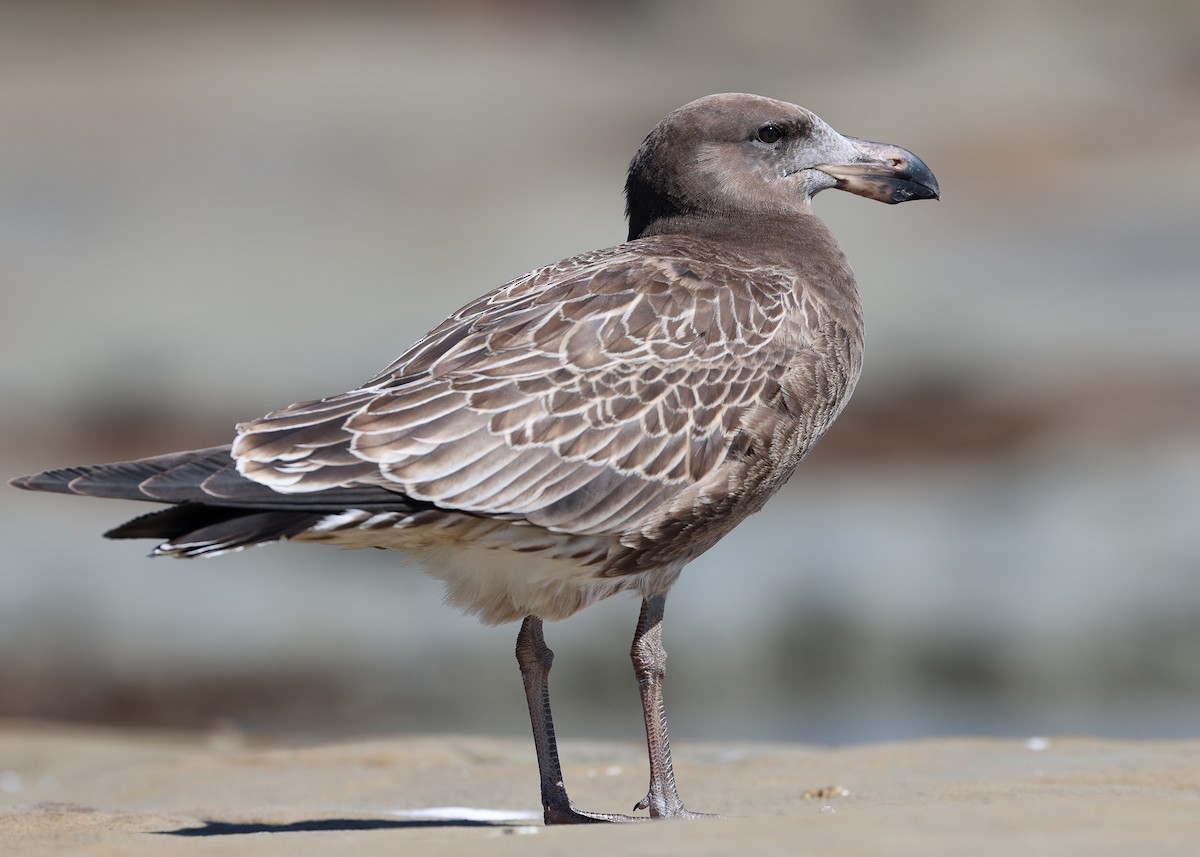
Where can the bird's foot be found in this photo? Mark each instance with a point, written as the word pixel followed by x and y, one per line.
pixel 570 815
pixel 673 809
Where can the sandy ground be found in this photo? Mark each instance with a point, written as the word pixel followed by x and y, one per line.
pixel 87 791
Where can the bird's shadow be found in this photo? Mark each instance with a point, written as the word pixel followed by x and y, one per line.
pixel 239 828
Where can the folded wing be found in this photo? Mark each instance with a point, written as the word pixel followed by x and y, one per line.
pixel 578 398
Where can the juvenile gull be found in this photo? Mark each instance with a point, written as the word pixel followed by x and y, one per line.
pixel 586 429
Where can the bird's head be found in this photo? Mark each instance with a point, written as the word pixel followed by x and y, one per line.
pixel 736 154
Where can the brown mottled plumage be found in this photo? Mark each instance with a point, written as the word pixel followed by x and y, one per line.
pixel 588 428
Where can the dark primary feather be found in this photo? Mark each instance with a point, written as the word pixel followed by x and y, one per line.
pixel 198 476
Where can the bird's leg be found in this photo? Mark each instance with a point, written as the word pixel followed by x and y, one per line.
pixel 650 666
pixel 535 659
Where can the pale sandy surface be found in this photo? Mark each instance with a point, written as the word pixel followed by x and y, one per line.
pixel 83 791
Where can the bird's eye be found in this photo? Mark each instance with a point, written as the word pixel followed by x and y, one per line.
pixel 770 133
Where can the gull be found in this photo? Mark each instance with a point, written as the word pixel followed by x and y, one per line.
pixel 586 429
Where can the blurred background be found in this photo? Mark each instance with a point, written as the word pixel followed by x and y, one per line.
pixel 210 210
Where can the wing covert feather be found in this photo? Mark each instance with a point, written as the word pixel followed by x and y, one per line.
pixel 578 397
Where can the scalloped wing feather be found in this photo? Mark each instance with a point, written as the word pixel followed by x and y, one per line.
pixel 579 397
